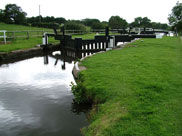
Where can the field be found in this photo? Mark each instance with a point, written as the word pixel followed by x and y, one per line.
pixel 19 39
pixel 137 91
pixel 13 27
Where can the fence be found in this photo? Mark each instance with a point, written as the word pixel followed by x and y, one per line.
pixel 26 34
pixel 3 36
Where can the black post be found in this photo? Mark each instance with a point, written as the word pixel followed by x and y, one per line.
pixel 107 31
pixel 130 29
pixel 62 30
pixel 63 41
pixel 78 47
pixel 107 36
pixel 55 31
pixel 144 30
pixel 46 60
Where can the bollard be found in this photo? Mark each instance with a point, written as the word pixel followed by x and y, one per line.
pixel 112 42
pixel 45 39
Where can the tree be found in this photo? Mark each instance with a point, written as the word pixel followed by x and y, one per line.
pixel 98 25
pixel 74 25
pixel 116 22
pixel 146 22
pixel 89 22
pixel 1 15
pixel 141 22
pixel 32 20
pixel 60 20
pixel 160 26
pixel 14 14
pixel 175 18
pixel 137 22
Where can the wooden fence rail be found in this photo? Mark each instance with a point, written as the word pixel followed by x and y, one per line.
pixel 26 34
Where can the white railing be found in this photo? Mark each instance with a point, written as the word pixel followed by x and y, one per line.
pixel 4 35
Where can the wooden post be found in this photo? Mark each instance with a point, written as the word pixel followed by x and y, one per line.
pixel 55 31
pixel 78 47
pixel 107 31
pixel 107 36
pixel 4 37
pixel 62 30
pixel 28 35
pixel 144 30
pixel 13 35
pixel 129 30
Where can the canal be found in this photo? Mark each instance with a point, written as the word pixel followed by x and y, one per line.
pixel 36 99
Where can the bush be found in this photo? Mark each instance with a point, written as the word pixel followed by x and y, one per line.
pixel 46 25
pixel 72 25
pixel 97 25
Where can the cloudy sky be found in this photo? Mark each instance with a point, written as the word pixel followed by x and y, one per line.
pixel 156 10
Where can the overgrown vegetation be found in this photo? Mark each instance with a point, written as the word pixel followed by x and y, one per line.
pixel 138 88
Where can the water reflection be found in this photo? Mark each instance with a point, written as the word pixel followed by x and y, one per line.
pixel 36 98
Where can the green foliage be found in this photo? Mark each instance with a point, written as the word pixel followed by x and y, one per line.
pixel 79 94
pixel 175 18
pixel 141 22
pixel 116 22
pixel 139 87
pixel 1 15
pixel 98 25
pixel 46 25
pixel 176 14
pixel 73 25
pixel 46 19
pixel 160 26
pixel 14 14
pixel 90 22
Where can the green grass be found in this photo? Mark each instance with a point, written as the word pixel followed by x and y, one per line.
pixel 85 36
pixel 24 44
pixel 13 27
pixel 138 89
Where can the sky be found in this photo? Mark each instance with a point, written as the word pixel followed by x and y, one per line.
pixel 156 10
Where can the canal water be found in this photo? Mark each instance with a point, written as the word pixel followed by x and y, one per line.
pixel 36 99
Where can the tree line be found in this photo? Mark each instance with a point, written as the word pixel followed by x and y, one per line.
pixel 14 14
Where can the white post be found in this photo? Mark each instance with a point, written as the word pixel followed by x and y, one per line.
pixel 4 37
pixel 45 39
pixel 112 42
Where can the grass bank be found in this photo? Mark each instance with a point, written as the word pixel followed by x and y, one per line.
pixel 138 89
pixel 19 44
pixel 14 27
